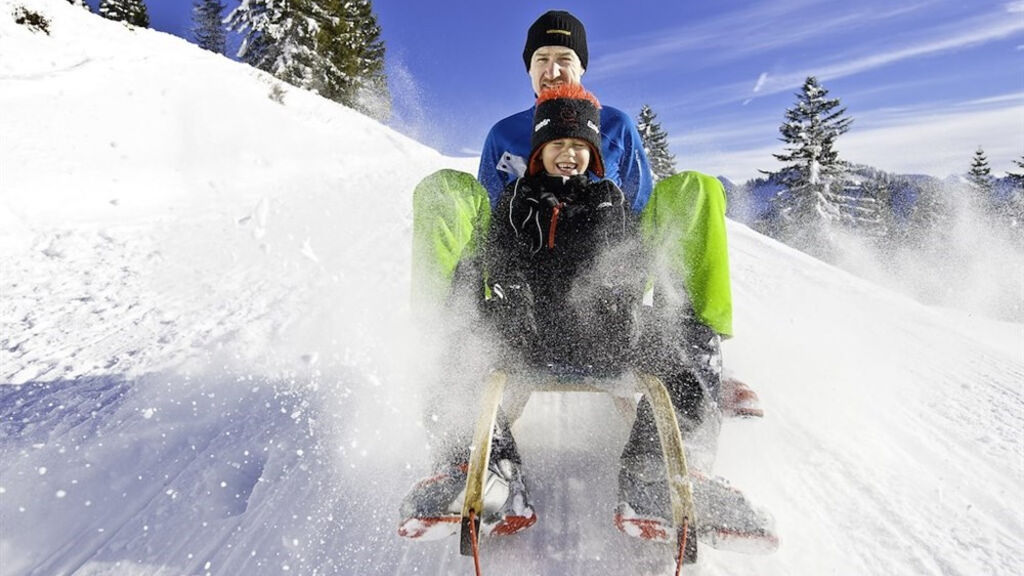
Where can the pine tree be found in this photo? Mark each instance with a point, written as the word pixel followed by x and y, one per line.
pixel 1014 209
pixel 81 3
pixel 655 140
pixel 352 51
pixel 980 177
pixel 207 28
pixel 1017 178
pixel 277 38
pixel 131 11
pixel 814 192
pixel 330 46
pixel 868 208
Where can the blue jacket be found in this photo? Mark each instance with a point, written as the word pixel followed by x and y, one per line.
pixel 507 149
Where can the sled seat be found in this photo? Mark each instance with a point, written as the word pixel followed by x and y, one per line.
pixel 519 386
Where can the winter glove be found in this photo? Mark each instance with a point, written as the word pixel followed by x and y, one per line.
pixel 531 211
pixel 606 210
pixel 511 309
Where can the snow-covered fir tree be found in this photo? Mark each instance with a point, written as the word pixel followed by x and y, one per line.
pixel 81 3
pixel 131 11
pixel 1017 178
pixel 207 27
pixel 1014 207
pixel 814 192
pixel 867 207
pixel 330 46
pixel 655 140
pixel 352 50
pixel 277 37
pixel 980 177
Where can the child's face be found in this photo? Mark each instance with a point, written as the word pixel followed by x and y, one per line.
pixel 565 157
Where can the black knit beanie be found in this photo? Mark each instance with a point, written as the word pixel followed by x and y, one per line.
pixel 556 28
pixel 567 111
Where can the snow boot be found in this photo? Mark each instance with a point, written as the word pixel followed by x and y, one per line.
pixel 725 518
pixel 433 507
pixel 739 401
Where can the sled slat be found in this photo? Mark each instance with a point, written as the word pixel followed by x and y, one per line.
pixel 478 460
pixel 680 491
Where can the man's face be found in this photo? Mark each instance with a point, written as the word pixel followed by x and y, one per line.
pixel 551 66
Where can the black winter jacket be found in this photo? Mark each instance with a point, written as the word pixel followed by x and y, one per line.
pixel 566 271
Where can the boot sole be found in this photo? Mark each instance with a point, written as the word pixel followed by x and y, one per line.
pixel 437 528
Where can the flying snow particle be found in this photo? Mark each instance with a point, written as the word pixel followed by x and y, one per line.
pixel 42 470
pixel 307 251
pixel 61 493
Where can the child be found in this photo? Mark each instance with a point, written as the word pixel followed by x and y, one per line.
pixel 563 257
pixel 564 277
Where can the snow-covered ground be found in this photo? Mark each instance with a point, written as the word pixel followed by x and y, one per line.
pixel 207 365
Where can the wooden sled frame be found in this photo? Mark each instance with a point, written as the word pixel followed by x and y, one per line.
pixel 680 491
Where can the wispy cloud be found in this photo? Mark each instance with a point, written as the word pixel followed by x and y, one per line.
pixel 760 82
pixel 966 34
pixel 924 140
pixel 710 38
pixel 932 42
pixel 1015 97
pixel 738 35
pixel 941 143
pixel 760 29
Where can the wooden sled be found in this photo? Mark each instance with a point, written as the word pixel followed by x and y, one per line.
pixel 680 492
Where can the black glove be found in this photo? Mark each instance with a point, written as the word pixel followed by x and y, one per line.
pixel 606 209
pixel 511 309
pixel 530 214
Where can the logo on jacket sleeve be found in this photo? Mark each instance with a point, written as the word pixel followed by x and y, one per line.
pixel 511 164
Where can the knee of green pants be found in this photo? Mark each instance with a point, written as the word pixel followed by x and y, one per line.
pixel 685 219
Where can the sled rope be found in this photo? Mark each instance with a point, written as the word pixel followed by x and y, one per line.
pixel 476 543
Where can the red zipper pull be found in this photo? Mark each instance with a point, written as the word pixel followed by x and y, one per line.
pixel 554 224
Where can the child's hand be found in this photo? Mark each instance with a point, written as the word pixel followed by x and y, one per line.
pixel 530 215
pixel 511 308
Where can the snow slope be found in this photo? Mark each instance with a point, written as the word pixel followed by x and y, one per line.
pixel 208 366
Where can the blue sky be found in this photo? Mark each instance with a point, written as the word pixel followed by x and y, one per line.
pixel 926 82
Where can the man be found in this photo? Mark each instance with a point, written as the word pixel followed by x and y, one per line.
pixel 678 346
pixel 556 53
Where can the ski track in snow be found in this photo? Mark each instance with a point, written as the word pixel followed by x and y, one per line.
pixel 208 367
